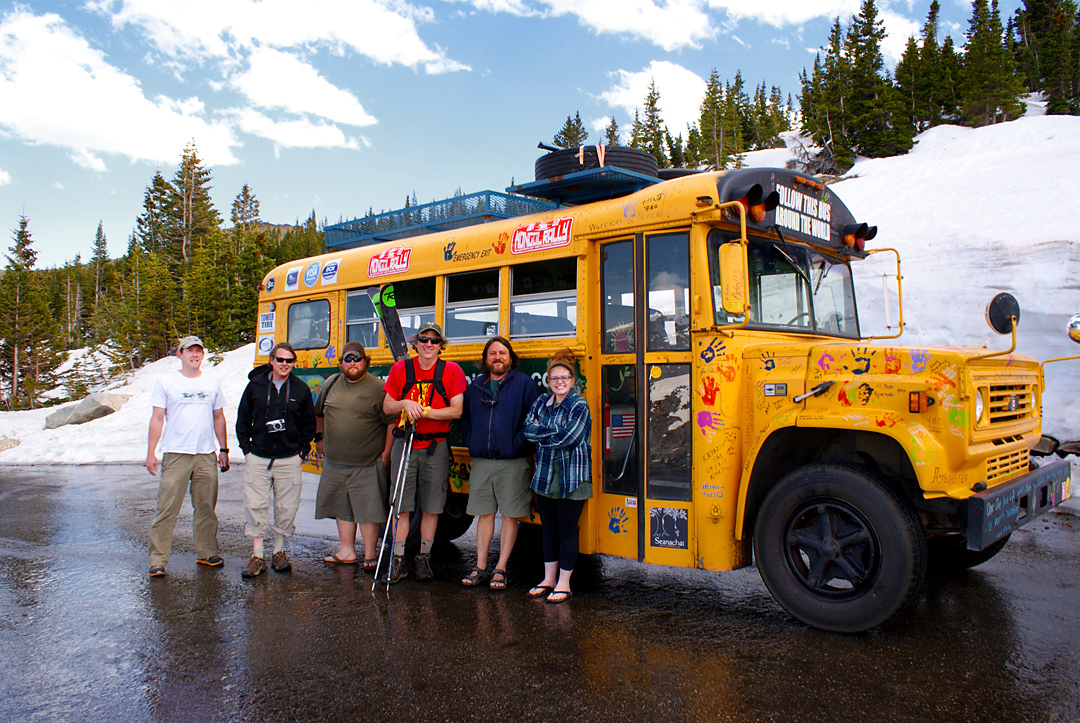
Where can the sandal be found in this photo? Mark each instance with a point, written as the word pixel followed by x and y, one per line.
pixel 554 599
pixel 541 591
pixel 335 560
pixel 476 577
pixel 371 565
pixel 499 580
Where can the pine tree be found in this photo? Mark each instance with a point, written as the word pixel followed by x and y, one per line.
pixel 611 133
pixel 244 217
pixel 196 216
pixel 153 228
pixel 30 350
pixel 878 125
pixel 572 134
pixel 1060 61
pixel 649 130
pixel 711 123
pixel 990 88
pixel 1032 26
pixel 100 263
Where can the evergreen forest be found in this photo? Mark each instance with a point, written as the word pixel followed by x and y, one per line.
pixel 188 270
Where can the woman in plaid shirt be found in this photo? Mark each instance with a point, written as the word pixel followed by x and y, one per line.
pixel 560 424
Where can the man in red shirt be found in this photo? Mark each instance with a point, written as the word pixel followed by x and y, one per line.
pixel 413 392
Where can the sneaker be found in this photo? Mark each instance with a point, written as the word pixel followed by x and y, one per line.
pixel 398 570
pixel 422 563
pixel 280 562
pixel 254 567
pixel 212 561
pixel 157 571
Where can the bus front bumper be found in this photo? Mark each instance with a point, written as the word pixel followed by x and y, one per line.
pixel 995 513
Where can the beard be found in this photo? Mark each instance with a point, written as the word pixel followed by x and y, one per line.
pixel 353 374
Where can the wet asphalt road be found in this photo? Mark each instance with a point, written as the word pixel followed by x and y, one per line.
pixel 86 636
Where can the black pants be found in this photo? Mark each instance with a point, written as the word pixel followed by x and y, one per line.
pixel 559 528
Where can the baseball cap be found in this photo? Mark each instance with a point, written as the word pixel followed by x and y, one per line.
pixel 429 326
pixel 190 341
pixel 354 347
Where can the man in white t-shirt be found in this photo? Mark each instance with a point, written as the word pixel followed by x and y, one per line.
pixel 191 408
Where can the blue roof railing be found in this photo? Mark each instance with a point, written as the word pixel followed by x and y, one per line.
pixel 456 212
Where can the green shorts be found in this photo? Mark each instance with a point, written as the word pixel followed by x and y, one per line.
pixel 500 484
pixel 352 493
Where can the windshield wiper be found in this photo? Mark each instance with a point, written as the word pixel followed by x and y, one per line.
pixel 825 272
pixel 783 252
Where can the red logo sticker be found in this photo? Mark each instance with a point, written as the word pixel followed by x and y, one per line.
pixel 392 261
pixel 541 236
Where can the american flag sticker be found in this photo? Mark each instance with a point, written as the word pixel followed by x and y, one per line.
pixel 622 426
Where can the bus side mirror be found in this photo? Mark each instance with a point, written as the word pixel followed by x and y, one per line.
pixel 733 278
pixel 1074 328
pixel 1002 313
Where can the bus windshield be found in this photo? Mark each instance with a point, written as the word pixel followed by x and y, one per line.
pixel 794 288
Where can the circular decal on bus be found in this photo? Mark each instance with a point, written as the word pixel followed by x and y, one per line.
pixel 266 343
pixel 270 284
pixel 311 274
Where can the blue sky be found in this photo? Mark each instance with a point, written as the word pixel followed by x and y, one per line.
pixel 338 106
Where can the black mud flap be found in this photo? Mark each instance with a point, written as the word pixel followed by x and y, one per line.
pixel 997 512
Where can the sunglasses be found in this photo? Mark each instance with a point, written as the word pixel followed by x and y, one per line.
pixel 285 360
pixel 352 359
pixel 428 340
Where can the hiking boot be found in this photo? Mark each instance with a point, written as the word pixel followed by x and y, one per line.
pixel 280 562
pixel 398 570
pixel 255 566
pixel 422 563
pixel 212 561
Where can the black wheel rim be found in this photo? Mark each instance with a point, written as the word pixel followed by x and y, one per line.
pixel 831 550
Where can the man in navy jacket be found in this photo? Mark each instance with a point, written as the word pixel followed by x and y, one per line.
pixel 492 420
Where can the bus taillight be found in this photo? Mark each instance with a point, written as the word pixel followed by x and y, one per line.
pixel 755 201
pixel 855 235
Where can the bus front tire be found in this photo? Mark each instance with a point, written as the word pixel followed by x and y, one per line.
pixel 949 555
pixel 838 549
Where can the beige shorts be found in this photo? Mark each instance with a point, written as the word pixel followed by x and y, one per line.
pixel 500 484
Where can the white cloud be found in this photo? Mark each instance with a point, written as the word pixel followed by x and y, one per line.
pixel 57 90
pixel 281 80
pixel 782 13
pixel 194 30
pixel 5 177
pixel 58 186
pixel 301 133
pixel 681 91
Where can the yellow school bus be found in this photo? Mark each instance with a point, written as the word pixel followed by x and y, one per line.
pixel 739 414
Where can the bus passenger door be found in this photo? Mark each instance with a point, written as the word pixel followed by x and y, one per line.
pixel 645 496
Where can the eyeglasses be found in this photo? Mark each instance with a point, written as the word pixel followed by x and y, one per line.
pixel 352 359
pixel 284 360
pixel 560 379
pixel 428 340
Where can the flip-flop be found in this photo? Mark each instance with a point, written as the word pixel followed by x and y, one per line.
pixel 552 600
pixel 540 591
pixel 370 565
pixel 335 560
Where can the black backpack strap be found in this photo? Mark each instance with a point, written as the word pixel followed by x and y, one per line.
pixel 437 379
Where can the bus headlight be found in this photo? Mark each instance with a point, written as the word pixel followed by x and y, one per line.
pixel 978 406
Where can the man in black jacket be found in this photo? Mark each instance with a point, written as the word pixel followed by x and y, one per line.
pixel 275 425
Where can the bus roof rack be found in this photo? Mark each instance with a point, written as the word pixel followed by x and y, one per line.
pixel 456 212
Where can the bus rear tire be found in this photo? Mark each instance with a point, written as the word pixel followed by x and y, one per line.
pixel 838 549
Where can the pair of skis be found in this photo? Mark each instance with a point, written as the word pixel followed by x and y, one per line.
pixel 386 309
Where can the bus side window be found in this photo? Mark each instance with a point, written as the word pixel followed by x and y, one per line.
pixel 309 324
pixel 361 321
pixel 543 299
pixel 668 315
pixel 415 303
pixel 472 305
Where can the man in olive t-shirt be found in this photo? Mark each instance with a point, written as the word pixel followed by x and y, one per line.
pixel 354 439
